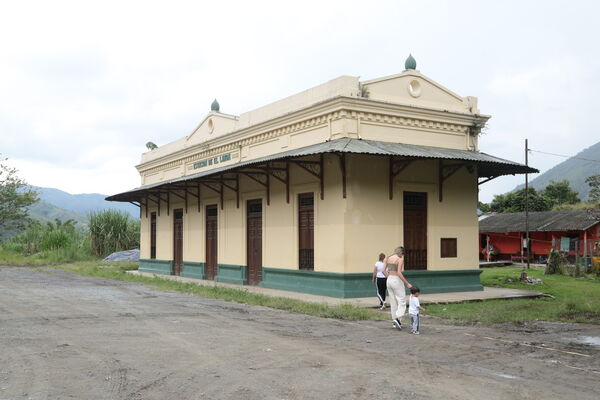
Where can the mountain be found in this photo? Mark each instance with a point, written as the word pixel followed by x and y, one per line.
pixel 43 212
pixel 83 204
pixel 57 204
pixel 575 169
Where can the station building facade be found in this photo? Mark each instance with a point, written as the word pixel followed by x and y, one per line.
pixel 304 193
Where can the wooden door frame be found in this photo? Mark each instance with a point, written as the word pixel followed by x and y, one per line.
pixel 177 269
pixel 426 194
pixel 298 211
pixel 248 201
pixel 206 218
pixel 153 217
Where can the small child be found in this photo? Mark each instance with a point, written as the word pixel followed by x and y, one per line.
pixel 413 309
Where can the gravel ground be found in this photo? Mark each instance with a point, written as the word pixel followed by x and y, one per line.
pixel 64 336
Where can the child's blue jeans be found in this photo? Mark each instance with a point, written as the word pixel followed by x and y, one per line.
pixel 414 322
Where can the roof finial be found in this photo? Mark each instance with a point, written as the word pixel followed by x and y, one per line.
pixel 410 63
pixel 214 106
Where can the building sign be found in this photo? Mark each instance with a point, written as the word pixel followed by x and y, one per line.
pixel 212 161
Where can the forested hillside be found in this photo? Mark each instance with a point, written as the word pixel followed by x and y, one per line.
pixel 83 204
pixel 575 169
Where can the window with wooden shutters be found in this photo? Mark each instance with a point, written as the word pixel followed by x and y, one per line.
pixel 448 247
pixel 153 235
pixel 306 227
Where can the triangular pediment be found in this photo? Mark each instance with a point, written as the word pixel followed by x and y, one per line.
pixel 213 125
pixel 413 88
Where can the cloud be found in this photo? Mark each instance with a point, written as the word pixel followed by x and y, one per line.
pixel 550 104
pixel 84 85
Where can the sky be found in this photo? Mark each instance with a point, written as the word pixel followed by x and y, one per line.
pixel 84 85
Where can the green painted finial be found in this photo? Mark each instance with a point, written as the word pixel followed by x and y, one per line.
pixel 410 62
pixel 214 106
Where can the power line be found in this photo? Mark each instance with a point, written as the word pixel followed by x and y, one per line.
pixel 562 155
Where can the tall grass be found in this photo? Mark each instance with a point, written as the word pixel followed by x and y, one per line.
pixel 59 242
pixel 112 231
pixel 52 242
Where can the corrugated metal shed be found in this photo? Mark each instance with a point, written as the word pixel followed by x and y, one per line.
pixel 539 221
pixel 488 166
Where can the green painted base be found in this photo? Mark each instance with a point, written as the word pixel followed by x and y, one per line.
pixel 465 280
pixel 324 283
pixel 193 270
pixel 236 274
pixel 163 267
pixel 320 283
pixel 360 285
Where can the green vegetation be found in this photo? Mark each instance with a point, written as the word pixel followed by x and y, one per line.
pixel 594 183
pixel 560 193
pixel 117 271
pixel 61 242
pixel 575 170
pixel 43 212
pixel 578 206
pixel 555 196
pixel 15 197
pixel 575 299
pixel 47 243
pixel 112 231
pixel 515 202
pixel 556 263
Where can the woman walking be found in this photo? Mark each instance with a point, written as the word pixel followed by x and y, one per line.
pixel 394 264
pixel 380 280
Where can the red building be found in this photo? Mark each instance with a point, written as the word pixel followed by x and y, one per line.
pixel 570 231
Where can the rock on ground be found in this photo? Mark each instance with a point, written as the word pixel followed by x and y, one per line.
pixel 123 256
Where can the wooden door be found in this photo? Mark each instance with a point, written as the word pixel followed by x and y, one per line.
pixel 177 242
pixel 210 266
pixel 254 241
pixel 415 230
pixel 153 236
pixel 306 236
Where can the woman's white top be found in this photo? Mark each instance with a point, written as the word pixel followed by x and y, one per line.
pixel 379 266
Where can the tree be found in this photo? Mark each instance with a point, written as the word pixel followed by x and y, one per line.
pixel 560 193
pixel 515 202
pixel 594 182
pixel 483 207
pixel 15 197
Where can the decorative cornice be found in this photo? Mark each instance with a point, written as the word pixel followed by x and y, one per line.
pixel 367 111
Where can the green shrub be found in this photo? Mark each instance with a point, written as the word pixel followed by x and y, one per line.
pixel 112 231
pixel 555 264
pixel 52 236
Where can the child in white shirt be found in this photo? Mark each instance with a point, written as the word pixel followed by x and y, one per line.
pixel 413 309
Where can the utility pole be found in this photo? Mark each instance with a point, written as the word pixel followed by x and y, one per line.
pixel 527 204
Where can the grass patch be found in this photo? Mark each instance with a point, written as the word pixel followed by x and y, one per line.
pixel 575 299
pixel 117 271
pixel 53 256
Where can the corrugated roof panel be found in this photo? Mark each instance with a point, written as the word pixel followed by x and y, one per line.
pixel 539 221
pixel 487 165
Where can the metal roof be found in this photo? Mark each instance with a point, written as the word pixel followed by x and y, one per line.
pixel 488 166
pixel 539 221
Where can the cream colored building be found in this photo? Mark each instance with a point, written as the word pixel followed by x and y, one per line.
pixel 304 193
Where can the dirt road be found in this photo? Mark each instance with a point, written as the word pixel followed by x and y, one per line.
pixel 64 336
